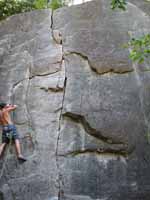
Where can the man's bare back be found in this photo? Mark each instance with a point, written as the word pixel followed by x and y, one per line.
pixel 5 117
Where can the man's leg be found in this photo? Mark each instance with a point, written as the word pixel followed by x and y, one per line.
pixel 18 149
pixel 2 146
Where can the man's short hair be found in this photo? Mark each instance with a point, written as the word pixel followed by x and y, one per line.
pixel 2 105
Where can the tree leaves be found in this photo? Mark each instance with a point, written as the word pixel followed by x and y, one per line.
pixel 54 4
pixel 40 4
pixel 140 48
pixel 121 4
pixel 10 7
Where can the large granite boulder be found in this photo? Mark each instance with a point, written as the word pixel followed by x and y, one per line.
pixel 83 106
pixel 103 148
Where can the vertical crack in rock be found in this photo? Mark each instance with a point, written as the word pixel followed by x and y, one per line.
pixel 60 179
pixel 60 176
pixel 52 20
pixel 56 34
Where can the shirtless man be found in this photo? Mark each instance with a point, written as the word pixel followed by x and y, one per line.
pixel 9 129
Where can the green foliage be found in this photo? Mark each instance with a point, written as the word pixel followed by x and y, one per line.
pixel 121 4
pixel 140 48
pixel 40 4
pixel 10 7
pixel 56 4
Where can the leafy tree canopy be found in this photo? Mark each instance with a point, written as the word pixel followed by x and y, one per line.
pixel 54 4
pixel 11 7
pixel 140 48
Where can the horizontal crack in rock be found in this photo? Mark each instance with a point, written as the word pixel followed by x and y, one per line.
pixel 92 131
pixel 52 89
pixel 45 74
pixel 110 70
pixel 99 151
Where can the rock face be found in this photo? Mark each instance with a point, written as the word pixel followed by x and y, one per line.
pixel 83 112
pixel 32 76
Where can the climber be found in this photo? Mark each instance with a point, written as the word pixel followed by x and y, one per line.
pixel 9 130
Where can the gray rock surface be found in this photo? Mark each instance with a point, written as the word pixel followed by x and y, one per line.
pixel 32 76
pixel 83 107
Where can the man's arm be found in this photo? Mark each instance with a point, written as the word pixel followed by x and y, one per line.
pixel 10 107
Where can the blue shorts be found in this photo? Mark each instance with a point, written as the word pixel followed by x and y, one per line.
pixel 9 133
